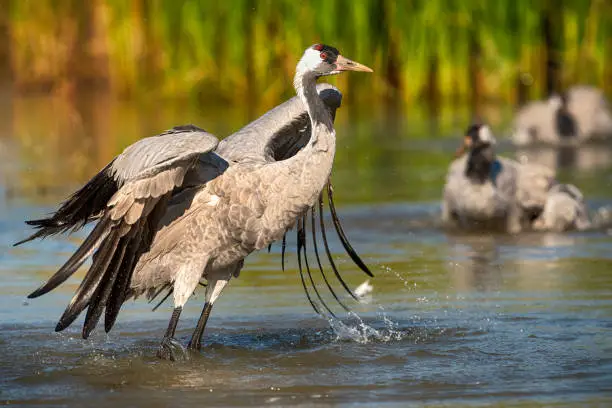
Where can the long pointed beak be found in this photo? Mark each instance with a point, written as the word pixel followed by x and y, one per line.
pixel 467 142
pixel 345 64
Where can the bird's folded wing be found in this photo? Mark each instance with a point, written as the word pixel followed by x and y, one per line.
pixel 279 133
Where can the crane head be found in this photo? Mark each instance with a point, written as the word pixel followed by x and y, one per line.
pixel 326 60
pixel 477 135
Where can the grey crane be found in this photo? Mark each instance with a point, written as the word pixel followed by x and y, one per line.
pixel 548 122
pixel 276 135
pixel 579 114
pixel 171 210
pixel 591 111
pixel 565 209
pixel 483 191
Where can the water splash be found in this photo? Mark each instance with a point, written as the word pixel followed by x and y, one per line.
pixel 602 218
pixel 407 283
pixel 354 328
pixel 357 330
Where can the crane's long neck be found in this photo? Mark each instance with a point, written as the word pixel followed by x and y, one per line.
pixel 300 179
pixel 323 136
pixel 307 172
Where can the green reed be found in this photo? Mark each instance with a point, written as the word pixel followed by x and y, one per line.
pixel 245 50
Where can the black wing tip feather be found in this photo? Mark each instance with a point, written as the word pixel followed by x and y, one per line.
pixel 78 209
pixel 45 288
pixel 90 286
pixel 46 227
pixel 75 261
pixel 119 291
pixel 37 293
pixel 103 291
pixel 44 223
pixel 190 127
pixel 42 234
pixel 64 322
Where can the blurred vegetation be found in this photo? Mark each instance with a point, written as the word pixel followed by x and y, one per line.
pixel 462 51
pixel 80 80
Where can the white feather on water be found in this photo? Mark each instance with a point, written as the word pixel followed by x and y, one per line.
pixel 364 292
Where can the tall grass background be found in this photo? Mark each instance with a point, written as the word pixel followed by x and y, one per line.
pixel 80 80
pixel 245 51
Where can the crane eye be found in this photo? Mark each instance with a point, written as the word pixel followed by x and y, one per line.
pixel 323 56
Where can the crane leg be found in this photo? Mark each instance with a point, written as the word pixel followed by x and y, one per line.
pixel 169 345
pixel 213 290
pixel 196 339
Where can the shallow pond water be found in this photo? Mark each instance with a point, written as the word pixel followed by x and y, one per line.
pixel 457 320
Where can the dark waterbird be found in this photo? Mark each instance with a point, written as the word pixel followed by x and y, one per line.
pixel 485 191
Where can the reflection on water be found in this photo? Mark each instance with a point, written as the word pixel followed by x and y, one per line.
pixel 63 140
pixel 453 319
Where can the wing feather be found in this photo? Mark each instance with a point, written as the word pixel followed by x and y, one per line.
pixel 167 157
pixel 146 176
pixel 274 135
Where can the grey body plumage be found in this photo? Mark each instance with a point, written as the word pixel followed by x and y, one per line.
pixel 564 210
pixel 491 204
pixel 279 133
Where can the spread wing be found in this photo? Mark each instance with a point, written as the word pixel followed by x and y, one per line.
pixel 278 135
pixel 150 163
pixel 142 180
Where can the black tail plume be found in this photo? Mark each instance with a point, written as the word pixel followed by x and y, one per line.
pixel 313 227
pixel 170 291
pixel 330 258
pixel 299 257
pixel 302 237
pixel 345 242
pixel 283 248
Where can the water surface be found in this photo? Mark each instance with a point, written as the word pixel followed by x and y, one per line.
pixel 453 320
